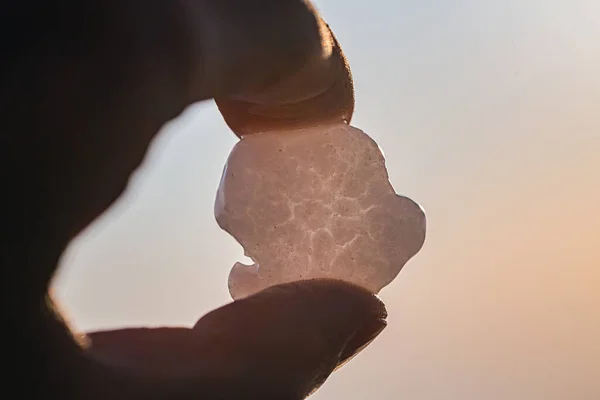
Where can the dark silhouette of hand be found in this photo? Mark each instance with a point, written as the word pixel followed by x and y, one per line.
pixel 85 88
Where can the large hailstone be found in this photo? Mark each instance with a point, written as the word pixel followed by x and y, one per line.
pixel 315 203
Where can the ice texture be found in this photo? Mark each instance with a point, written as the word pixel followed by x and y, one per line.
pixel 315 203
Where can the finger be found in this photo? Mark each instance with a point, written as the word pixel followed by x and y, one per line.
pixel 319 92
pixel 292 336
pixel 252 45
pixel 280 343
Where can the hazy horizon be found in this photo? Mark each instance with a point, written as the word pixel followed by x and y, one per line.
pixel 489 117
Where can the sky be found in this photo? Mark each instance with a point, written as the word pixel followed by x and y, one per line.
pixel 489 116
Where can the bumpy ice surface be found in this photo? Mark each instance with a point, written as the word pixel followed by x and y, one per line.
pixel 315 203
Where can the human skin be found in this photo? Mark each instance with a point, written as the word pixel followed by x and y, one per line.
pixel 85 88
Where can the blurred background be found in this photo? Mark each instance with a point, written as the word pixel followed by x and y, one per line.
pixel 489 116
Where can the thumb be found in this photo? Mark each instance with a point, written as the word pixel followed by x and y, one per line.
pixel 290 337
pixel 281 343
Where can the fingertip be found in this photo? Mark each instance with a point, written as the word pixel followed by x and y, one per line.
pixel 318 93
pixel 350 300
pixel 363 337
pixel 292 335
pixel 334 311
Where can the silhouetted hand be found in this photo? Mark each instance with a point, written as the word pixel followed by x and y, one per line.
pixel 86 87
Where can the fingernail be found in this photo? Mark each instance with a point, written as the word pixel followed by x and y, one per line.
pixel 361 339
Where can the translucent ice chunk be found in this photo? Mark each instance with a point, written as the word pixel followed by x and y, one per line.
pixel 315 203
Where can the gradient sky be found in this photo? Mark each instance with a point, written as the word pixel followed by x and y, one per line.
pixel 489 116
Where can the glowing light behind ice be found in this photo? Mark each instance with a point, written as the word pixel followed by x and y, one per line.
pixel 315 203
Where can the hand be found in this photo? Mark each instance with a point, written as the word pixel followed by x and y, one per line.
pixel 281 343
pixel 86 87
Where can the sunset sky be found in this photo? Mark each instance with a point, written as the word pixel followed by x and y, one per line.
pixel 489 116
